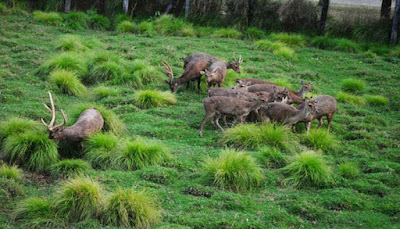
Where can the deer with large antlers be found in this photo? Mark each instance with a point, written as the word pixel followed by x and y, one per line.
pixel 89 122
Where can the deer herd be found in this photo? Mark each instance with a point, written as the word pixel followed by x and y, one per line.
pixel 251 99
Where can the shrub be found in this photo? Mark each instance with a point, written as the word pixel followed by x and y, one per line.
pixel 320 139
pixel 272 155
pixel 307 169
pixel 104 71
pixel 99 22
pixel 68 83
pixel 76 20
pixel 70 43
pixel 3 9
pixel 70 168
pixel 131 209
pixel 10 172
pixel 112 123
pixel 292 40
pixel 167 25
pixel 32 150
pixel 349 170
pixel 285 52
pixel 34 212
pixel 227 33
pixel 351 99
pixel 65 61
pixel 16 126
pixel 233 170
pixel 126 27
pixel 151 98
pixel 49 18
pixel 376 100
pixel 78 199
pixel 268 45
pixel 254 33
pixel 353 85
pixel 146 27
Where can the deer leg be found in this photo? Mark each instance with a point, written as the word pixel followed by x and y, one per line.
pixel 198 83
pixel 321 121
pixel 225 122
pixel 308 125
pixel 188 84
pixel 205 119
pixel 217 121
pixel 330 117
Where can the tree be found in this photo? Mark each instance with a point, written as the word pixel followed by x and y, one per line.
pixel 385 8
pixel 324 15
pixel 250 13
pixel 67 6
pixel 395 26
pixel 187 5
pixel 125 5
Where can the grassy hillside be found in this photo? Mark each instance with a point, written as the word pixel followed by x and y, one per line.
pixel 363 158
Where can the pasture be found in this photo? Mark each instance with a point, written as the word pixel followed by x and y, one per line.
pixel 357 164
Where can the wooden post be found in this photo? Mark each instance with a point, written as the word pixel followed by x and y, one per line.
pixel 395 26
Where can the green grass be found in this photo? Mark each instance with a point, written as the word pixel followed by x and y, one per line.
pixel 320 139
pixel 99 22
pixel 76 20
pixel 292 40
pixel 68 83
pixel 343 45
pixel 277 48
pixel 104 71
pixel 228 33
pixel 15 126
pixel 131 209
pixel 10 172
pixel 151 98
pixel 348 170
pixel 159 175
pixel 64 61
pixel 254 33
pixel 3 9
pixel 233 170
pixel 101 158
pixel 376 100
pixel 35 212
pixel 282 82
pixel 51 18
pixel 143 72
pixel 126 27
pixel 350 99
pixel 272 157
pixel 285 52
pixel 70 168
pixel 307 169
pixel 78 199
pixel 103 92
pixel 353 85
pixel 70 43
pixel 146 27
pixel 107 141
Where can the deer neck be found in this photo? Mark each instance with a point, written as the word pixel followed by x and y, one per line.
pixel 71 133
pixel 301 115
pixel 228 65
pixel 301 92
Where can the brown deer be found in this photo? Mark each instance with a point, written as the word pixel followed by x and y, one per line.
pixel 217 71
pixel 326 106
pixel 252 81
pixel 222 105
pixel 297 96
pixel 88 123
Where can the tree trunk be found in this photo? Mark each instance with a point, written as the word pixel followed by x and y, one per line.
pixel 395 26
pixel 67 6
pixel 187 5
pixel 125 5
pixel 324 15
pixel 179 7
pixel 250 14
pixel 385 8
pixel 169 7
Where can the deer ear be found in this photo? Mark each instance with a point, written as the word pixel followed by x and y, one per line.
pixel 239 81
pixel 215 70
pixel 202 73
pixel 248 83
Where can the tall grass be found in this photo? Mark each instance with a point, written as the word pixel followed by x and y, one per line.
pixel 76 20
pixel 143 72
pixel 126 27
pixel 349 170
pixel 254 33
pixel 3 9
pixel 103 91
pixel 70 43
pixel 233 170
pixel 131 209
pixel 307 169
pixel 350 99
pixel 78 199
pixel 48 18
pixel 320 139
pixel 15 126
pixel 35 212
pixel 65 61
pixel 272 157
pixel 167 25
pixel 107 141
pixel 353 85
pixel 376 100
pixel 151 98
pixel 104 71
pixel 343 45
pixel 277 48
pixel 68 83
pixel 292 40
pixel 10 172
pixel 70 168
pixel 228 33
pixel 98 22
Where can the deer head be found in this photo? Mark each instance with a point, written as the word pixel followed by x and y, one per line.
pixel 56 131
pixel 210 75
pixel 305 87
pixel 235 64
pixel 173 85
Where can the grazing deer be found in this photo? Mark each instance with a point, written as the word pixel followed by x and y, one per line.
pixel 88 123
pixel 326 106
pixel 287 114
pixel 222 105
pixel 252 81
pixel 217 71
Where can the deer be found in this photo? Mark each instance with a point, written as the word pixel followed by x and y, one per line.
pixel 89 122
pixel 326 106
pixel 252 81
pixel 296 97
pixel 287 114
pixel 228 106
pixel 217 71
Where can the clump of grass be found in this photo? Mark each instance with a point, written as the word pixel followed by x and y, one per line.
pixel 32 150
pixel 3 9
pixel 285 52
pixel 167 25
pixel 34 212
pixel 10 172
pixel 142 72
pixel 272 156
pixel 76 20
pixel 349 170
pixel 70 168
pixel 131 209
pixel 188 31
pixel 323 42
pixel 104 71
pixel 351 99
pixel 370 54
pixel 107 141
pixel 112 123
pixel 353 85
pixel 376 100
pixel 15 126
pixel 268 45
pixel 78 199
pixel 126 27
pixel 9 189
pixel 101 158
pixel 70 43
pixel 228 33
pixel 152 98
pixel 64 61
pixel 146 27
pixel 5 73
pixel 98 22
pixel 139 153
pixel 103 91
pixel 293 40
pixel 394 52
pixel 346 45
pixel 48 18
pixel 254 33
pixel 282 82
pixel 308 169
pixel 68 83
pixel 233 170
pixel 320 139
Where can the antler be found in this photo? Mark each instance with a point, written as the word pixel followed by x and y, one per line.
pixel 53 115
pixel 240 59
pixel 169 71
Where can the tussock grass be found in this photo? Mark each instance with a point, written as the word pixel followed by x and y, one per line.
pixel 48 18
pixel 107 141
pixel 350 99
pixel 343 45
pixel 272 157
pixel 35 212
pixel 32 150
pixel 70 43
pixel 143 72
pixel 131 209
pixel 10 172
pixel 103 92
pixel 104 71
pixel 394 52
pixel 151 98
pixel 285 52
pixel 376 100
pixel 68 83
pixel 167 25
pixel 254 33
pixel 228 33
pixel 139 153
pixel 353 85
pixel 308 169
pixel 320 139
pixel 70 168
pixel 146 27
pixel 102 150
pixel 292 40
pixel 349 170
pixel 76 20
pixel 98 22
pixel 15 126
pixel 78 199
pixel 101 158
pixel 126 27
pixel 112 123
pixel 233 170
pixel 268 45
pixel 64 61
